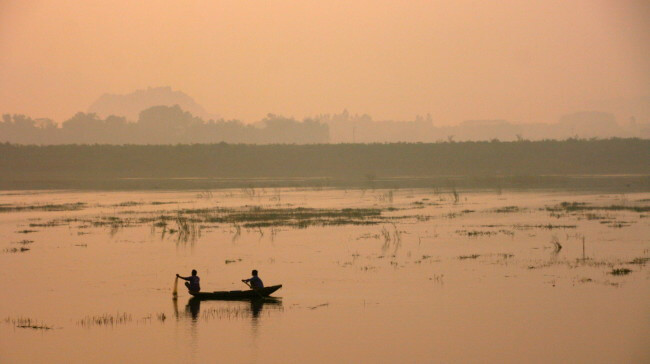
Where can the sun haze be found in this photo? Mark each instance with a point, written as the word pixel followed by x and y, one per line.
pixel 526 61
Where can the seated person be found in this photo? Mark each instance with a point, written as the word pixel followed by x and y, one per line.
pixel 255 281
pixel 193 281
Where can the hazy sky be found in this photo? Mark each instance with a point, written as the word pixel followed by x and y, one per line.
pixel 518 60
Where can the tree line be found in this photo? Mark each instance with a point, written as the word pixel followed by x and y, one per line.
pixel 159 125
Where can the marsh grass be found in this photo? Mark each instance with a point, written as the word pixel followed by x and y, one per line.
pixel 471 256
pixel 619 224
pixel 620 271
pixel 475 233
pixel 236 313
pixel 545 226
pixel 187 223
pixel 507 209
pixel 16 250
pixel 640 261
pixel 583 206
pixel 26 231
pixel 24 242
pixel 478 233
pixel 106 320
pixel 45 207
pixel 391 237
pixel 128 204
pixel 576 263
pixel 27 323
pixel 45 224
pixel 297 217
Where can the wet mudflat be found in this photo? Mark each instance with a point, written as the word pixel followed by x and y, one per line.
pixel 406 275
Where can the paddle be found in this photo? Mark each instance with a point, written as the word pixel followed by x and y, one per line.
pixel 175 291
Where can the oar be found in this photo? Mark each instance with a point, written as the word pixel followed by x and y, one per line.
pixel 175 291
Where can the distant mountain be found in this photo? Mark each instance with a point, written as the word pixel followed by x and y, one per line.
pixel 130 105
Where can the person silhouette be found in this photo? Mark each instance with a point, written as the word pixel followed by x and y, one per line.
pixel 254 281
pixel 192 283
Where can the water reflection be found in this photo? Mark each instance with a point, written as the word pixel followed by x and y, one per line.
pixel 245 309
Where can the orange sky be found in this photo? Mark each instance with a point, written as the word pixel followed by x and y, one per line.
pixel 519 60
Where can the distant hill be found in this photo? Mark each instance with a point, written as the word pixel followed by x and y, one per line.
pixel 130 105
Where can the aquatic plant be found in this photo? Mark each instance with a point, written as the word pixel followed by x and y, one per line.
pixel 46 207
pixel 24 242
pixel 27 323
pixel 583 206
pixel 639 260
pixel 26 231
pixel 620 271
pixel 106 320
pixel 16 250
pixel 507 209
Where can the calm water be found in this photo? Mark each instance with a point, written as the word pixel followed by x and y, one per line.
pixel 477 277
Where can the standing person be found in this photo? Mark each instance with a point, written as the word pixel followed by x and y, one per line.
pixel 255 281
pixel 192 283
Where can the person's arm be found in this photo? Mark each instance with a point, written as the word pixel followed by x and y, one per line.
pixel 183 278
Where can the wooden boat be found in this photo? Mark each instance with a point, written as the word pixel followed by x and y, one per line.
pixel 237 295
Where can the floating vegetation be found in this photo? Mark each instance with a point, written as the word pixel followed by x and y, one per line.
pixel 437 278
pixel 425 258
pixel 368 236
pixel 27 323
pixel 26 231
pixel 472 256
pixel 24 242
pixel 16 250
pixel 594 216
pixel 105 320
pixel 619 224
pixel 46 224
pixel 639 261
pixel 187 223
pixel 582 206
pixel 49 207
pixel 507 209
pixel 128 203
pixel 477 233
pixel 318 306
pixel 620 271
pixel 544 226
pixel 297 217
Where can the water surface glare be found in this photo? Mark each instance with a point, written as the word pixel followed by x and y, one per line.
pixel 404 275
